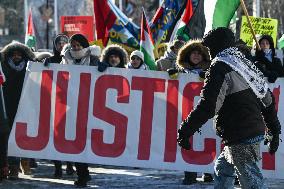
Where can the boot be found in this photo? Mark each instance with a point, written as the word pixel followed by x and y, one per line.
pixel 189 178
pixel 25 166
pixel 69 169
pixel 33 163
pixel 206 177
pixel 58 169
pixel 4 172
pixel 13 172
pixel 83 175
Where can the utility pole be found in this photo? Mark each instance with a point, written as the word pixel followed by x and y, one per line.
pixel 47 29
pixel 256 8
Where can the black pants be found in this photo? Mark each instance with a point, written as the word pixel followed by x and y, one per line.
pixel 3 149
pixel 58 164
pixel 82 170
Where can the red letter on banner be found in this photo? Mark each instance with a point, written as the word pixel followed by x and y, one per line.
pixel 268 160
pixel 110 116
pixel 148 86
pixel 190 156
pixel 61 144
pixel 41 140
pixel 171 121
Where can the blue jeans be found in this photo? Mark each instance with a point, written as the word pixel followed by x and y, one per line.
pixel 242 160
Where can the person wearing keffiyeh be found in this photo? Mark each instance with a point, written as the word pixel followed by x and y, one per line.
pixel 236 94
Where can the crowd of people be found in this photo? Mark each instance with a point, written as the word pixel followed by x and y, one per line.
pixel 229 93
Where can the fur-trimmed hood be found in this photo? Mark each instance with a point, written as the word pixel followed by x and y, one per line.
pixel 115 49
pixel 8 49
pixel 187 49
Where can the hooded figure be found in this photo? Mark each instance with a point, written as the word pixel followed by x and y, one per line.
pixel 169 59
pixel 236 94
pixel 198 64
pixel 14 58
pixel 115 56
pixel 59 41
pixel 80 53
pixel 267 61
pixel 193 58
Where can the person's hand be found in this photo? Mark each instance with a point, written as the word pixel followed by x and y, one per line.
pixel 273 144
pixel 183 138
pixel 173 73
pixel 102 66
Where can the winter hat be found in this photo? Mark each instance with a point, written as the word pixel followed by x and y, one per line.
pixel 61 37
pixel 137 53
pixel 218 39
pixel 80 39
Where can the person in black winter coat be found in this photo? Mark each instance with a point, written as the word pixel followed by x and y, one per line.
pixel 58 43
pixel 236 94
pixel 14 58
pixel 266 60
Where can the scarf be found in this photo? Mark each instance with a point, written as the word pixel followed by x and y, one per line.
pixel 143 66
pixel 79 54
pixel 237 61
pixel 268 54
pixel 15 67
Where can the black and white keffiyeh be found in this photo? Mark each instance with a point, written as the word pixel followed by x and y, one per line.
pixel 247 69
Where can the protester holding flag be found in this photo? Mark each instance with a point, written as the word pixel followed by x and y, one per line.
pixel 80 53
pixel 14 58
pixel 267 61
pixel 137 61
pixel 169 59
pixel 234 89
pixel 114 56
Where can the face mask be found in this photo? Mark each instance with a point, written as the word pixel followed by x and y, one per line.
pixel 79 54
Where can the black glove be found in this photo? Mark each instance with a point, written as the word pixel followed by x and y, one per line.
pixel 272 77
pixel 102 66
pixel 173 73
pixel 273 144
pixel 202 74
pixel 183 140
pixel 46 63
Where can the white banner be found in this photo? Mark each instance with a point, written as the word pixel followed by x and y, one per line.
pixel 118 117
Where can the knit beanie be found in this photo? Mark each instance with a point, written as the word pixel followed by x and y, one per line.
pixel 137 53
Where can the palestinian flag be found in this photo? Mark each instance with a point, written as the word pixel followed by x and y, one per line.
pixel 147 43
pixel 209 14
pixel 281 42
pixel 30 39
pixel 181 24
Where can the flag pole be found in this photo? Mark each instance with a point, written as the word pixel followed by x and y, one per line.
pixel 250 25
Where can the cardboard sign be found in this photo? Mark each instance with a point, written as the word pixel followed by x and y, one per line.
pixel 261 27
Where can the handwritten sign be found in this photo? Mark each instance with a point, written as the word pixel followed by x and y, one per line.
pixel 261 27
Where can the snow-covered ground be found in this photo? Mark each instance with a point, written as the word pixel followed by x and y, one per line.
pixel 108 177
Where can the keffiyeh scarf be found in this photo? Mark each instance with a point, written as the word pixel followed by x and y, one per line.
pixel 237 61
